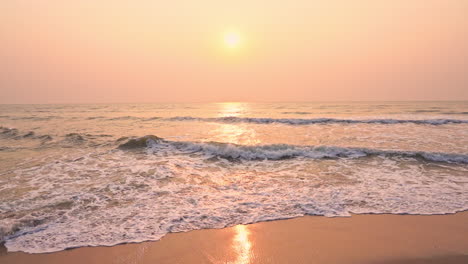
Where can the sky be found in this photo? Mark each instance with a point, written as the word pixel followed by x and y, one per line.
pixel 116 51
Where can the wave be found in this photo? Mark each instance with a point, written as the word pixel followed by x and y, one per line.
pixel 282 151
pixel 8 132
pixel 7 149
pixel 455 113
pixel 47 118
pixel 296 113
pixel 13 133
pixel 74 137
pixel 95 117
pixel 115 197
pixel 123 118
pixel 302 121
pixel 426 111
pixel 35 118
pixel 135 143
pixel 66 140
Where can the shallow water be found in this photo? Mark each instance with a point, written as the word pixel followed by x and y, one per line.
pixel 81 175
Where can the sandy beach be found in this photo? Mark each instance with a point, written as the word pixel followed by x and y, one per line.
pixel 385 239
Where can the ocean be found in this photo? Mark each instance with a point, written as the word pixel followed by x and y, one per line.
pixel 106 174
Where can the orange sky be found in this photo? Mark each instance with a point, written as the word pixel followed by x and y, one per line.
pixel 89 51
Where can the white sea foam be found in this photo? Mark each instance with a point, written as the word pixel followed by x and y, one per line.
pixel 126 196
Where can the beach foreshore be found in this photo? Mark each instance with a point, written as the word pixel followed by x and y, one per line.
pixel 382 239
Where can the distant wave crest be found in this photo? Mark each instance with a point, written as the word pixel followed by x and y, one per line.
pixel 13 133
pixel 311 121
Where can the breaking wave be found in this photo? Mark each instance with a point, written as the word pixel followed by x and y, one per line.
pixel 281 151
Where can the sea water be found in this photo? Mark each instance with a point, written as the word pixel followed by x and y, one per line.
pixel 100 175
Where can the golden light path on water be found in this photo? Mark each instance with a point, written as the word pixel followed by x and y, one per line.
pixel 242 245
pixel 232 109
pixel 235 133
pixel 238 134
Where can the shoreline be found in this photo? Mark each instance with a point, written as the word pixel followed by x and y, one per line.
pixel 368 238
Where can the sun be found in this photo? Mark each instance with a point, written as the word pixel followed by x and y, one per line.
pixel 232 39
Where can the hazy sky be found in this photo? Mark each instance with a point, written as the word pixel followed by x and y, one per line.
pixel 88 51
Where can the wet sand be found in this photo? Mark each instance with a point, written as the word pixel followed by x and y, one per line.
pixel 380 239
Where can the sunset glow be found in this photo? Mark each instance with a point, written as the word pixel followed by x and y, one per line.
pixel 153 51
pixel 232 39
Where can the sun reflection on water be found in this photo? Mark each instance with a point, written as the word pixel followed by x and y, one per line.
pixel 232 109
pixel 235 133
pixel 242 245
